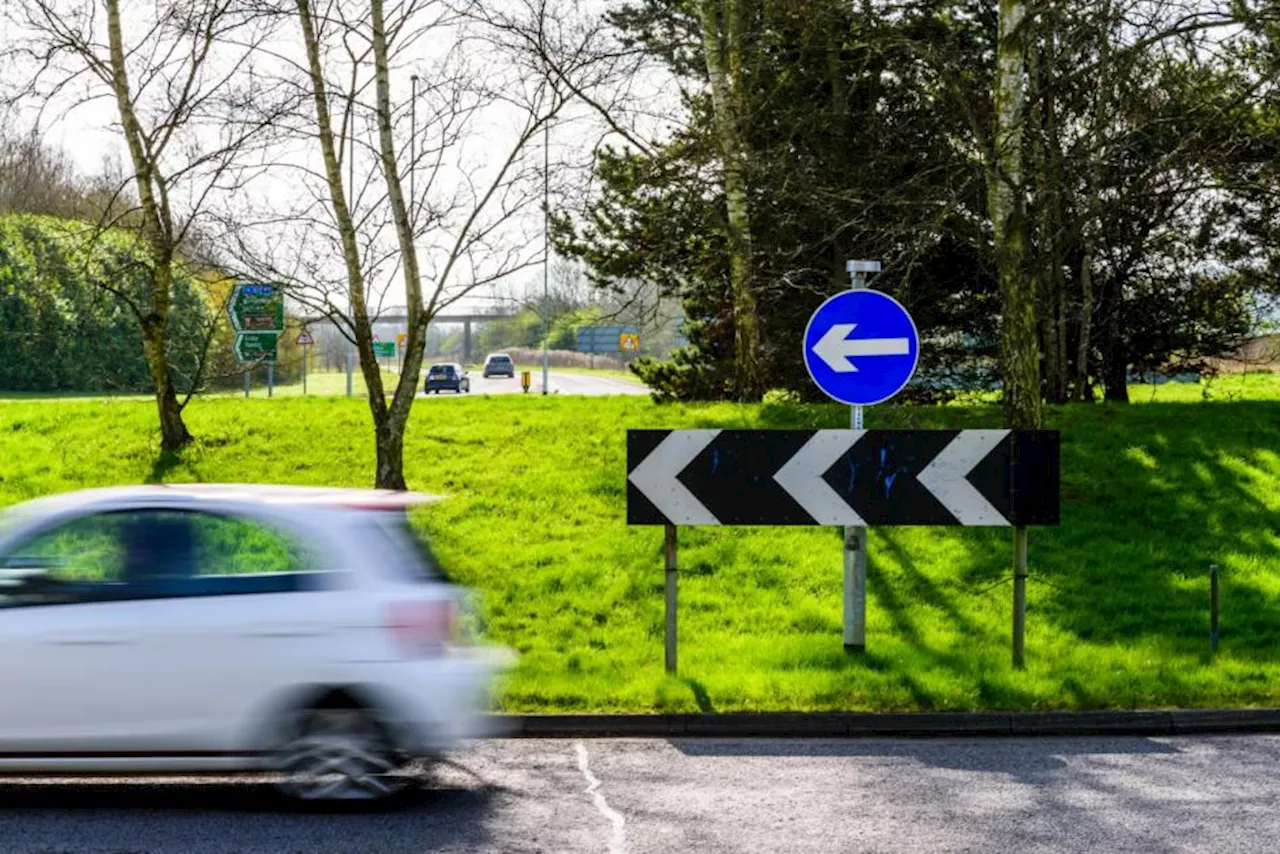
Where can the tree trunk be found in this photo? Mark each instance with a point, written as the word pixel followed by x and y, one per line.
pixel 840 128
pixel 361 328
pixel 1056 248
pixel 390 442
pixel 1006 200
pixel 157 228
pixel 173 430
pixel 1115 359
pixel 1093 207
pixel 1084 389
pixel 725 94
pixel 390 464
pixel 1007 204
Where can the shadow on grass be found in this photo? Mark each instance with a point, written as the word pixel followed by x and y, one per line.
pixel 892 595
pixel 1156 495
pixel 1152 496
pixel 700 695
pixel 163 465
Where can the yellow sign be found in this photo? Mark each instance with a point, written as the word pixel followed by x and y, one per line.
pixel 400 336
pixel 629 342
pixel 525 380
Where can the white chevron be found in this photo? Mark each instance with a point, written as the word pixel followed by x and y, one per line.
pixel 946 476
pixel 801 477
pixel 656 474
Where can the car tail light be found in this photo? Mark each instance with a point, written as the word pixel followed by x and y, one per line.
pixel 423 627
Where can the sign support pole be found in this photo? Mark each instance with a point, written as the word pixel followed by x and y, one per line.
pixel 855 538
pixel 671 599
pixel 306 349
pixel 855 575
pixel 1020 598
pixel 271 378
pixel 247 371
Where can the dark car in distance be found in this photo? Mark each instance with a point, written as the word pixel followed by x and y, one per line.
pixel 448 376
pixel 499 365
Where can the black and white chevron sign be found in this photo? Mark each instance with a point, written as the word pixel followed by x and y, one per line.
pixel 842 477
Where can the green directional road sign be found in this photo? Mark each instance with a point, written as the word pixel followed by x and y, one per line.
pixel 257 346
pixel 257 316
pixel 257 308
pixel 384 349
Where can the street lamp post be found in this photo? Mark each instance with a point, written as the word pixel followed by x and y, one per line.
pixel 546 250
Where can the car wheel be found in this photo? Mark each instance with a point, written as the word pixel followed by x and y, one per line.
pixel 337 754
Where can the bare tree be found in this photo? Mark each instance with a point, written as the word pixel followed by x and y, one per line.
pixel 175 73
pixel 430 196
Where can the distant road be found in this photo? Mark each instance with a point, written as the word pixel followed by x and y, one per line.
pixel 987 796
pixel 560 383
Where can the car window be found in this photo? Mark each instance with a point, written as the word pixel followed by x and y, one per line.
pixel 150 554
pixel 233 545
pixel 406 553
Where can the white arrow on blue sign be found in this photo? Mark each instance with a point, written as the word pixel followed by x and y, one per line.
pixel 861 347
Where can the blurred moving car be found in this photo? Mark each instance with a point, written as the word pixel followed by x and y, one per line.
pixel 305 631
pixel 499 365
pixel 448 376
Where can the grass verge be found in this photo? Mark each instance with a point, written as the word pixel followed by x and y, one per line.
pixel 1153 494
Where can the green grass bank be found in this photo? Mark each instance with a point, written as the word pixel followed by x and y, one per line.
pixel 1153 494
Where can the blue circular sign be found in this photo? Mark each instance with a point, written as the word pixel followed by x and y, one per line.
pixel 861 347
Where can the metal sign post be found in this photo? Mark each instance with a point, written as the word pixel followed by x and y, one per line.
pixel 671 592
pixel 861 348
pixel 855 536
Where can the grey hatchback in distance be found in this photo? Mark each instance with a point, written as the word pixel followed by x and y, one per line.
pixel 499 365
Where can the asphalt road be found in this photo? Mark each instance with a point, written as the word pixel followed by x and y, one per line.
pixel 1216 794
pixel 558 383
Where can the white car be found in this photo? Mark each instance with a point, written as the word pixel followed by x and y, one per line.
pixel 303 631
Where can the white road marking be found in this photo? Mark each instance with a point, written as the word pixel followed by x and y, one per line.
pixel 617 839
